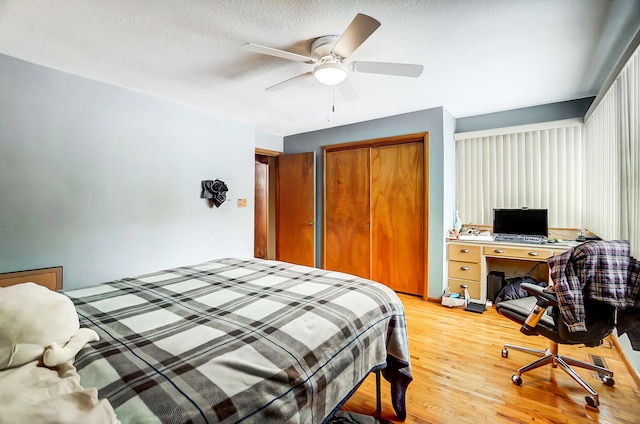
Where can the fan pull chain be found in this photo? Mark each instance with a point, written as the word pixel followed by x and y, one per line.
pixel 332 99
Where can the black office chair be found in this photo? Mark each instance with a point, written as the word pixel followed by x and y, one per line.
pixel 539 315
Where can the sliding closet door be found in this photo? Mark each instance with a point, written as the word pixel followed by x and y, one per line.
pixel 375 210
pixel 397 210
pixel 346 212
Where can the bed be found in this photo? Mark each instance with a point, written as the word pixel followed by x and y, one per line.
pixel 238 339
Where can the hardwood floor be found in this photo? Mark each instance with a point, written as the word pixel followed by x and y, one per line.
pixel 460 375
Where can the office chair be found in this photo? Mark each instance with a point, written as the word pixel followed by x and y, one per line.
pixel 539 315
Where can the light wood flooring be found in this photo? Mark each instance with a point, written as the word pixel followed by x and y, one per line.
pixel 459 375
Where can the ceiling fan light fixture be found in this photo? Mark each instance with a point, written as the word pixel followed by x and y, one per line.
pixel 330 73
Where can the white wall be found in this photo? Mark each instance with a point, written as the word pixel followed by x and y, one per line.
pixel 269 142
pixel 106 182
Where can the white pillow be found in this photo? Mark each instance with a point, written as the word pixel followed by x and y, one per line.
pixel 34 319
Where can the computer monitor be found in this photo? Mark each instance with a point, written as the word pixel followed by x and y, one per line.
pixel 528 222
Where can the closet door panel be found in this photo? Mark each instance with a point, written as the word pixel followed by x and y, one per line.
pixel 397 209
pixel 347 215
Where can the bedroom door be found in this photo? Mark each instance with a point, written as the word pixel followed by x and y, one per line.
pixel 296 207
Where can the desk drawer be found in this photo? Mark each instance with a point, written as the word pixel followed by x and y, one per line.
pixel 464 270
pixel 474 287
pixel 531 253
pixel 464 253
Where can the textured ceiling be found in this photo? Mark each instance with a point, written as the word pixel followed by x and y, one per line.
pixel 480 56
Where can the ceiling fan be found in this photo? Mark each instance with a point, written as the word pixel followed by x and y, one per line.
pixel 329 52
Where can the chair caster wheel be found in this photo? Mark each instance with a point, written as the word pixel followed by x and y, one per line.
pixel 505 353
pixel 608 381
pixel 591 401
pixel 516 379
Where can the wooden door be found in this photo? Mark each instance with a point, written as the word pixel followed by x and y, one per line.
pixel 296 207
pixel 261 214
pixel 397 209
pixel 346 212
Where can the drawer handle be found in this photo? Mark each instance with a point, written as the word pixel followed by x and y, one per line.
pixel 499 251
pixel 464 250
pixel 464 268
pixel 533 253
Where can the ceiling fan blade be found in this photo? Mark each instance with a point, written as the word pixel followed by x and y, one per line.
pixel 347 91
pixel 277 53
pixel 286 83
pixel 388 68
pixel 358 31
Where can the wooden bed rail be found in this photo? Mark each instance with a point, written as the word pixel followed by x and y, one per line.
pixel 50 278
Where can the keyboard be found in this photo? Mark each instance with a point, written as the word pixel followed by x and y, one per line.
pixel 519 238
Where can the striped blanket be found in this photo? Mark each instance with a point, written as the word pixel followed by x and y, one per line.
pixel 240 340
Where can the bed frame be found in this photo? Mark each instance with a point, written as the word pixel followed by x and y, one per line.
pixel 50 278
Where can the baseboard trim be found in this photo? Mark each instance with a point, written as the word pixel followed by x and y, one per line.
pixel 632 370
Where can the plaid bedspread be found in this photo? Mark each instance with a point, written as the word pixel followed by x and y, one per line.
pixel 239 340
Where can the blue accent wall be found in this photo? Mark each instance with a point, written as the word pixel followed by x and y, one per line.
pixel 529 115
pixel 441 190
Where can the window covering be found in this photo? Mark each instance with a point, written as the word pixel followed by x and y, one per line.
pixel 535 166
pixel 613 156
pixel 587 176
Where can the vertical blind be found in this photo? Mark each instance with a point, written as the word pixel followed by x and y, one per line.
pixel 586 175
pixel 613 156
pixel 534 166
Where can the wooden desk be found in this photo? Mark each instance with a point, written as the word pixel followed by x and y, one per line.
pixel 469 262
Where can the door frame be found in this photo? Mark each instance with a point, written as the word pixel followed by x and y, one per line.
pixel 272 156
pixel 273 212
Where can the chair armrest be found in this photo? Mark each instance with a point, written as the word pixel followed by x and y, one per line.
pixel 545 299
pixel 550 297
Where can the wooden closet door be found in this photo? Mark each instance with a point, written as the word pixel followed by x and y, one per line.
pixel 346 212
pixel 397 209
